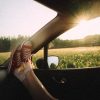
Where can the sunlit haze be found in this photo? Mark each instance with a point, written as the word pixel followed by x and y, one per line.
pixel 83 29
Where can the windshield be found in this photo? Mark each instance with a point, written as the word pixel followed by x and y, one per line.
pixel 19 19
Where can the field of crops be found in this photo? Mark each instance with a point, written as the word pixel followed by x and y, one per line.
pixel 75 57
pixel 69 57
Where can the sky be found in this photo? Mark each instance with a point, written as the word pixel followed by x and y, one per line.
pixel 26 17
pixel 23 17
pixel 83 29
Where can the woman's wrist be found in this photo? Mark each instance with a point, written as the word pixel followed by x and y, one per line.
pixel 22 71
pixel 19 75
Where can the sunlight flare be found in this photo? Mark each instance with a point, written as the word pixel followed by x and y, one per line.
pixel 83 29
pixel 82 22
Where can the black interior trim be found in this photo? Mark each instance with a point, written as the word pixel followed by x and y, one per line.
pixel 82 84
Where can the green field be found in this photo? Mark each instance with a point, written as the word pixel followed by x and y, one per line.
pixel 70 57
pixel 79 57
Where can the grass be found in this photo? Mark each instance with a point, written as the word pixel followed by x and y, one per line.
pixel 69 57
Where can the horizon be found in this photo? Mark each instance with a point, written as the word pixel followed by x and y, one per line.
pixel 57 37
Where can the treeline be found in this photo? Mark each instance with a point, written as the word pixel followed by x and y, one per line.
pixel 91 40
pixel 7 43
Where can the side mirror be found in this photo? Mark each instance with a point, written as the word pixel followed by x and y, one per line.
pixel 53 62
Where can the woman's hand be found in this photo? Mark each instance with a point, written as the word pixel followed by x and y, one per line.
pixel 23 69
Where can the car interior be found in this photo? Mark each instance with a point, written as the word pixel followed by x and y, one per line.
pixel 69 84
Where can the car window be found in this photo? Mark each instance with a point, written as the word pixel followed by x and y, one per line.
pixel 79 47
pixel 19 20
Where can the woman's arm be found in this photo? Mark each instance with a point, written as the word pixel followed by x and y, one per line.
pixel 27 76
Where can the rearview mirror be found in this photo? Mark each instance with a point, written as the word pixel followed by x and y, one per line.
pixel 52 62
